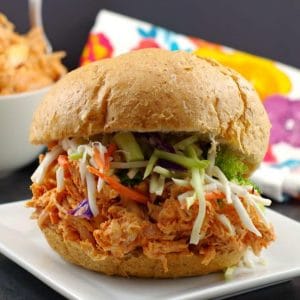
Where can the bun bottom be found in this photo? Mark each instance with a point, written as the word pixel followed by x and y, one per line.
pixel 137 264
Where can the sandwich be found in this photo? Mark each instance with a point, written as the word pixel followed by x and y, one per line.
pixel 147 167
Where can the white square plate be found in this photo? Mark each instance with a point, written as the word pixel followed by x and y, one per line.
pixel 21 241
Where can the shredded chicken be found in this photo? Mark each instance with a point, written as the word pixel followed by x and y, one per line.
pixel 157 229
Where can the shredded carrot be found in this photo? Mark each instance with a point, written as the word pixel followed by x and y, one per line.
pixel 120 188
pixel 63 161
pixel 214 195
pixel 104 165
pixel 100 163
pixel 110 151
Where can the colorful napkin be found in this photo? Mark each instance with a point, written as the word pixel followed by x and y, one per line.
pixel 277 84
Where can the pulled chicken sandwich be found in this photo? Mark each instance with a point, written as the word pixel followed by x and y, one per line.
pixel 147 166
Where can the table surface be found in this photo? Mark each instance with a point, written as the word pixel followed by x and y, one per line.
pixel 269 28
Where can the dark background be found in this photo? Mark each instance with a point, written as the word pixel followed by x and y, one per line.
pixel 266 27
pixel 269 28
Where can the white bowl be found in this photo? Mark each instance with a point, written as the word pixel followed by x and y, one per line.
pixel 16 112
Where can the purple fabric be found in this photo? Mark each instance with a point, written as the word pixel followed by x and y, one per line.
pixel 285 118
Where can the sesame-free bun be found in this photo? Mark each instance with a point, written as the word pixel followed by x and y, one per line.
pixel 137 264
pixel 156 90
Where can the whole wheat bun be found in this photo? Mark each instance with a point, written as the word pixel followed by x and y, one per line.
pixel 156 90
pixel 137 264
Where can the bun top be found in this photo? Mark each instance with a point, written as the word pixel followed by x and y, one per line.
pixel 156 90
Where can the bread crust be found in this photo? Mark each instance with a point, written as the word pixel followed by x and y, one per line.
pixel 137 264
pixel 156 90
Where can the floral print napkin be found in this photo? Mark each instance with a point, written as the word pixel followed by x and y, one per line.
pixel 277 84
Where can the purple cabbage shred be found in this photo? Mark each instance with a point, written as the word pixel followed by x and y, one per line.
pixel 82 210
pixel 170 165
pixel 157 142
